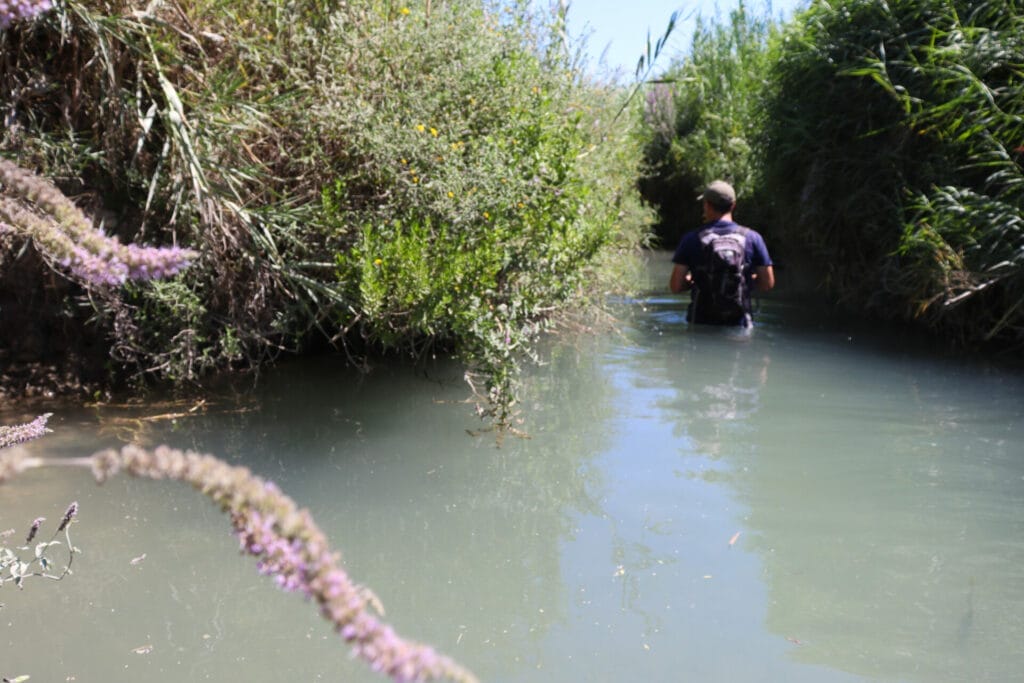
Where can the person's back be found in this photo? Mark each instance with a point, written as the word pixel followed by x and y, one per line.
pixel 721 262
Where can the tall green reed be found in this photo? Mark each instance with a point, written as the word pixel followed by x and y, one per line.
pixel 702 117
pixel 894 145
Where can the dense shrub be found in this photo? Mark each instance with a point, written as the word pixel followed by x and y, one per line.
pixel 488 149
pixel 426 175
pixel 894 145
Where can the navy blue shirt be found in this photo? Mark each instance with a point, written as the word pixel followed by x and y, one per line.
pixel 690 252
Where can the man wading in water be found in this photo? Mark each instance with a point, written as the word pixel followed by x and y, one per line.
pixel 721 263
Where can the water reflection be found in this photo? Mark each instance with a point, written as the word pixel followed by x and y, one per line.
pixel 887 527
pixel 882 488
pixel 462 540
pixel 800 504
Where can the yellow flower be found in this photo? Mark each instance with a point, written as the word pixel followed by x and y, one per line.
pixel 415 179
pixel 377 261
pixel 433 131
pixel 451 195
pixel 420 127
pixel 487 216
pixel 404 162
pixel 404 11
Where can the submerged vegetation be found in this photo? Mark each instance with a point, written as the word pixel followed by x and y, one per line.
pixel 421 177
pixel 881 145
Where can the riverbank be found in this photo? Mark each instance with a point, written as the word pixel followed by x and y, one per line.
pixel 419 179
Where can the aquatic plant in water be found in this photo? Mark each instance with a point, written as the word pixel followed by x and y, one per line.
pixel 285 540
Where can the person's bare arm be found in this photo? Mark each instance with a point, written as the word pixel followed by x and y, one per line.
pixel 764 278
pixel 680 279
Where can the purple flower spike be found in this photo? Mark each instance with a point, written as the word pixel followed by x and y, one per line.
pixel 289 546
pixel 15 10
pixel 11 436
pixel 34 529
pixel 68 516
pixel 68 238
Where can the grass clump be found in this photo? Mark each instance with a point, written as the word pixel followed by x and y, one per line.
pixel 894 145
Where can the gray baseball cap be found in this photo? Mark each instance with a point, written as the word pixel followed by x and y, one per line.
pixel 719 194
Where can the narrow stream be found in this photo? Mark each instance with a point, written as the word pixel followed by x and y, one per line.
pixel 812 502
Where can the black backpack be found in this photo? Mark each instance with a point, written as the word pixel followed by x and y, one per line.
pixel 722 292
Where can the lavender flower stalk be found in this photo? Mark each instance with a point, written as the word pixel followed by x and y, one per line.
pixel 34 529
pixel 14 10
pixel 66 236
pixel 36 563
pixel 69 514
pixel 289 546
pixel 11 436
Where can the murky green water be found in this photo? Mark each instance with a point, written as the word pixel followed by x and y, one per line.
pixel 806 504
